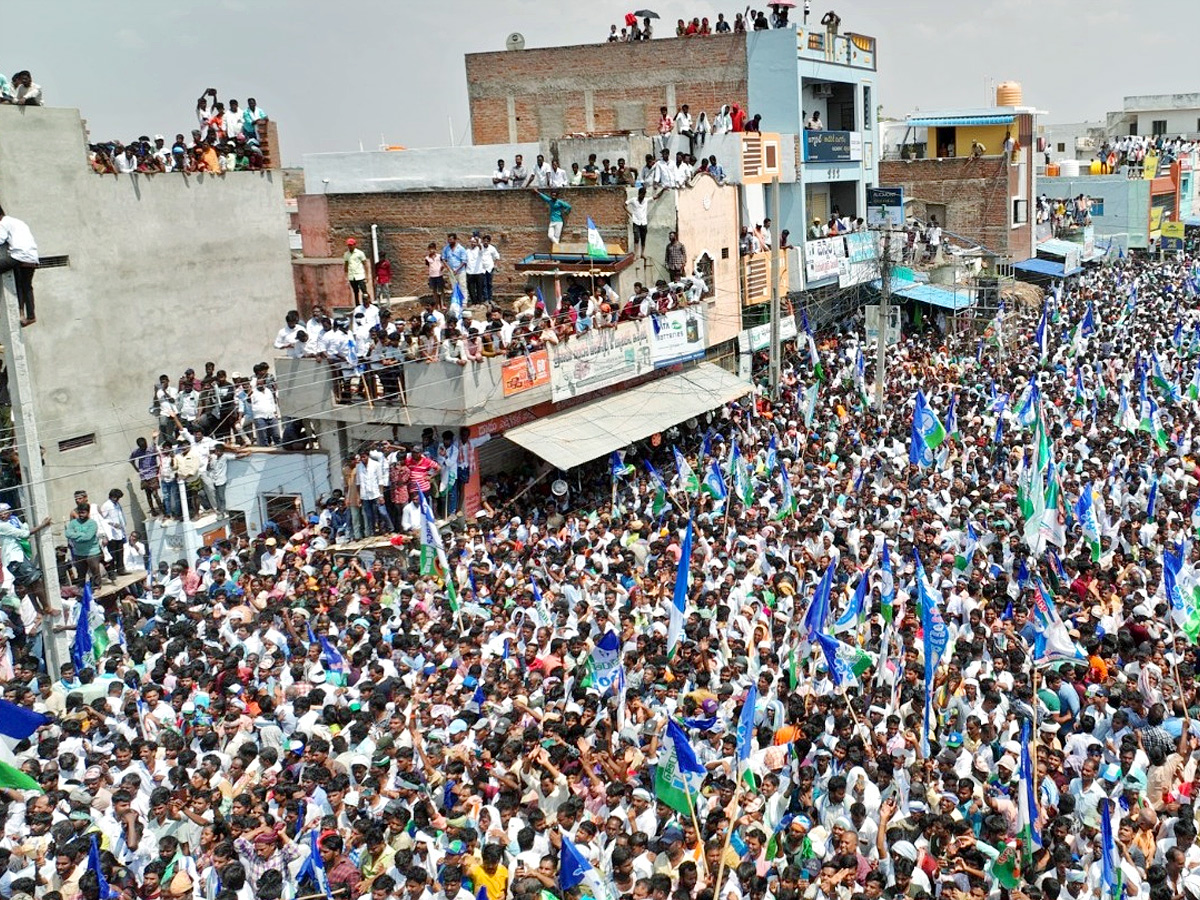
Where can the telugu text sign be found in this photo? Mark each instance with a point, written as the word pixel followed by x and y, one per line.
pixel 599 358
pixel 525 372
pixel 822 258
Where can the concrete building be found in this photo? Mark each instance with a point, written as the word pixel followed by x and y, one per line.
pixel 785 75
pixel 141 275
pixel 1157 115
pixel 1072 140
pixel 967 182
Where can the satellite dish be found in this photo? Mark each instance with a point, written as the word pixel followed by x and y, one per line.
pixel 516 41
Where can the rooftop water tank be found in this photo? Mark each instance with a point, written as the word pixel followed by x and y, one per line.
pixel 1069 168
pixel 1008 93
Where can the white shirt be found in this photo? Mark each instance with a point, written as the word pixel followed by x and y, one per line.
pixel 114 518
pixel 490 256
pixel 639 211
pixel 370 317
pixel 19 238
pixel 557 178
pixel 500 179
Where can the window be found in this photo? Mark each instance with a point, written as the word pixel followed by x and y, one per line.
pixel 867 112
pixel 1157 127
pixel 1020 214
pixel 83 440
pixel 704 268
pixel 1062 148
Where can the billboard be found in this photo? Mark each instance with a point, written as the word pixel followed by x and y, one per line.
pixel 599 358
pixel 1172 235
pixel 832 146
pixel 677 336
pixel 885 207
pixel 861 263
pixel 525 372
pixel 822 258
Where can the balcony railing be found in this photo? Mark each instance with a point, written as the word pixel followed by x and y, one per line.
pixel 854 50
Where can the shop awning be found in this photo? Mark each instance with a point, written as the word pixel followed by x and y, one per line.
pixel 935 296
pixel 1048 267
pixel 952 121
pixel 594 430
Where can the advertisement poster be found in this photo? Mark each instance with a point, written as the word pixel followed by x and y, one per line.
pixel 525 372
pixel 677 336
pixel 599 358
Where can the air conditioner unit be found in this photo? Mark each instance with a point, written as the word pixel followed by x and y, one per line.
pixel 824 90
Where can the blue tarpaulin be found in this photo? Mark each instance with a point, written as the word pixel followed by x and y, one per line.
pixel 951 121
pixel 1050 267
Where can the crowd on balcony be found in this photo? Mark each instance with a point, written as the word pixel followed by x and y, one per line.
pixel 662 172
pixel 369 349
pixel 227 138
pixel 1131 152
pixel 21 90
pixel 1064 212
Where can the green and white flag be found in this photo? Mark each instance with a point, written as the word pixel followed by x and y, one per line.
pixel 431 539
pixel 595 244
pixel 677 775
pixel 688 481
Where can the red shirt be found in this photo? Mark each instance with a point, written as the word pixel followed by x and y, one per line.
pixel 383 272
pixel 420 473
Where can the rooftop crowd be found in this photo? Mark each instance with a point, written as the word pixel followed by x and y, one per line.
pixel 812 650
pixel 227 139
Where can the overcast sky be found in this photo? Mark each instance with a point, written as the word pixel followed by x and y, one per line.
pixel 337 74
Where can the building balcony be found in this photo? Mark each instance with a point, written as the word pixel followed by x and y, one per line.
pixel 819 45
pixel 756 277
pixel 444 394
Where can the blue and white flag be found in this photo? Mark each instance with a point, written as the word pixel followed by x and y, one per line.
pixel 854 613
pixel 18 723
pixel 818 608
pixel 745 731
pixel 604 664
pixel 679 599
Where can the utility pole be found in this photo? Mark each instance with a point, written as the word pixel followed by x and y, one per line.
pixel 776 351
pixel 37 507
pixel 885 274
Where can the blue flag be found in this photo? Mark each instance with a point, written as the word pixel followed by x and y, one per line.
pixel 1109 865
pixel 574 869
pixel 745 729
pixel 93 864
pixel 818 609
pixel 18 723
pixel 81 647
pixel 850 618
pixel 679 598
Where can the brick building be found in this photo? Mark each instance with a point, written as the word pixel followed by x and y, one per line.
pixel 406 222
pixel 542 94
pixel 970 184
pixel 969 197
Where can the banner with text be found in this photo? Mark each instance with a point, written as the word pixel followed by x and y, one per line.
pixel 677 336
pixel 823 257
pixel 525 372
pixel 599 358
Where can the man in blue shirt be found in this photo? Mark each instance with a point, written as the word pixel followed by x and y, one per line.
pixel 455 257
pixel 558 211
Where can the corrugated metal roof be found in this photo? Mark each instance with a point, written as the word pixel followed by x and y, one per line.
pixel 951 121
pixel 936 296
pixel 592 430
pixel 1044 267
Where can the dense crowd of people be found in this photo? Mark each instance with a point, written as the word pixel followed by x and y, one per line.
pixel 228 138
pixel 813 649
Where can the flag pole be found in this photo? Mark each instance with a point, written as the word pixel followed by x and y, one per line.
pixel 737 803
pixel 1034 739
pixel 696 825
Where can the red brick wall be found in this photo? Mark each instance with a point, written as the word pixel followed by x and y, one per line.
pixel 976 193
pixel 705 73
pixel 516 220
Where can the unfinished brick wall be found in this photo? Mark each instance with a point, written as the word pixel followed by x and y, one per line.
pixel 977 194
pixel 600 87
pixel 516 220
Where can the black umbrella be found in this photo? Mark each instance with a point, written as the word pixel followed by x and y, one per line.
pixel 647 14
